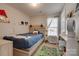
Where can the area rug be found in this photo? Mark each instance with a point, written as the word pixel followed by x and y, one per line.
pixel 47 51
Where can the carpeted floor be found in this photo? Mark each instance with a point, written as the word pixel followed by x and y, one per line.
pixel 47 51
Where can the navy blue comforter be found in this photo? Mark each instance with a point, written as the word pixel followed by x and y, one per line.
pixel 24 43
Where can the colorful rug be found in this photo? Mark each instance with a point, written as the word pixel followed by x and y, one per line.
pixel 47 51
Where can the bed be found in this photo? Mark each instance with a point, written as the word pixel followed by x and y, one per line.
pixel 26 43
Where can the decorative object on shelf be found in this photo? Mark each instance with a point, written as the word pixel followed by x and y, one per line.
pixel 70 14
pixel 41 25
pixel 22 22
pixel 30 25
pixel 3 17
pixel 26 23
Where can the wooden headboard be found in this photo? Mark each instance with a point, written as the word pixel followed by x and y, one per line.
pixel 38 28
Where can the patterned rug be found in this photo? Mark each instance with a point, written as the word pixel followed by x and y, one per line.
pixel 47 51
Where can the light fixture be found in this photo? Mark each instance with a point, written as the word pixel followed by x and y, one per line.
pixel 35 4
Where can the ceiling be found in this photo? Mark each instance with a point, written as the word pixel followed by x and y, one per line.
pixel 42 8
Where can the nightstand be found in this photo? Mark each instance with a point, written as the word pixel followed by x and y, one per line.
pixel 6 48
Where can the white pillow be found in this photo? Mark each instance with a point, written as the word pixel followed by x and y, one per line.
pixel 35 32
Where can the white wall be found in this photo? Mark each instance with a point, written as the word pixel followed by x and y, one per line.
pixel 15 17
pixel 38 20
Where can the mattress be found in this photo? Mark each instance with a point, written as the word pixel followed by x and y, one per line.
pixel 23 43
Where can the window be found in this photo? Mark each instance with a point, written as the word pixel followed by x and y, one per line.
pixel 52 24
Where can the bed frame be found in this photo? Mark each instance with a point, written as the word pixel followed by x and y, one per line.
pixel 30 51
pixel 27 52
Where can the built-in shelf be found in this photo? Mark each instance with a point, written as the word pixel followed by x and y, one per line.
pixel 64 36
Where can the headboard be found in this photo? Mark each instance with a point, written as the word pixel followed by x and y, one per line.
pixel 38 28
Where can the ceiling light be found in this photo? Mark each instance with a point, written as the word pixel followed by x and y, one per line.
pixel 35 4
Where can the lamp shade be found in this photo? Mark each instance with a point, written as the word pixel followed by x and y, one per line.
pixel 3 13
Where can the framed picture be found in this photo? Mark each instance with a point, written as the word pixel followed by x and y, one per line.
pixel 22 22
pixel 26 23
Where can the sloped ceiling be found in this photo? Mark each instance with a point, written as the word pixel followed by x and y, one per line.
pixel 42 8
